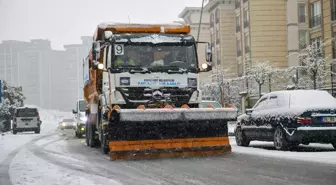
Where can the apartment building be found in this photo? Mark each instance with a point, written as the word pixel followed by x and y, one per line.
pixel 271 30
pixel 191 16
pixel 222 34
pixel 322 28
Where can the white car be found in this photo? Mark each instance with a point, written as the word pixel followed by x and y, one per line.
pixel 26 119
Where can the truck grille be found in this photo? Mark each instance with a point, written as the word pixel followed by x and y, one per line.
pixel 177 95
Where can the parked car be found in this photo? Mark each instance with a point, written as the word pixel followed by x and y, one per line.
pixel 289 118
pixel 26 119
pixel 68 123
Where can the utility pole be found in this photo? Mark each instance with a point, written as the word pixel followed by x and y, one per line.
pixel 200 21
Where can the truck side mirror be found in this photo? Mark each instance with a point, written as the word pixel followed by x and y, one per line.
pixel 73 111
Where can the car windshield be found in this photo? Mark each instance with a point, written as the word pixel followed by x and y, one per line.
pixel 68 120
pixel 153 52
pixel 82 106
pixel 215 104
pixel 26 112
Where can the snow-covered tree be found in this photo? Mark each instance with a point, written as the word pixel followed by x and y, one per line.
pixel 12 97
pixel 315 64
pixel 261 72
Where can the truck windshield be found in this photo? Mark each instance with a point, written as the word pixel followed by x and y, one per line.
pixel 155 51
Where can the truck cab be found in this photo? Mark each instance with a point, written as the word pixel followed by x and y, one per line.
pixel 80 117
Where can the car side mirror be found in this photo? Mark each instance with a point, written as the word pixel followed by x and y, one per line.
pixel 248 111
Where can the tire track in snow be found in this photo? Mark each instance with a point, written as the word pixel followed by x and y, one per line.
pixel 4 166
pixel 58 158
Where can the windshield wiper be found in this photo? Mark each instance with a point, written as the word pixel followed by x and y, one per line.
pixel 169 69
pixel 132 69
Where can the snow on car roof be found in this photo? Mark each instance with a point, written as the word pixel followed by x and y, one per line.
pixel 309 98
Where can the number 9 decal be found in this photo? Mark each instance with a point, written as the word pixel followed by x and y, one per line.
pixel 119 49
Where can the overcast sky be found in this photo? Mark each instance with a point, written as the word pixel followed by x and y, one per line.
pixel 65 21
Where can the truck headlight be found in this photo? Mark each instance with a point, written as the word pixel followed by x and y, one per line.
pixel 192 82
pixel 83 118
pixel 63 124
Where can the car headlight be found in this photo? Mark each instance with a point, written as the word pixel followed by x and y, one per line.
pixel 83 118
pixel 63 124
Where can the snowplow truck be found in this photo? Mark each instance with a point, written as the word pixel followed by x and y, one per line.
pixel 143 96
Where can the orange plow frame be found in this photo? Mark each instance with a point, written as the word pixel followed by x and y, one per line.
pixel 124 150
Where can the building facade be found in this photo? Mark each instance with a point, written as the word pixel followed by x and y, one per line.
pixel 322 28
pixel 270 30
pixel 222 35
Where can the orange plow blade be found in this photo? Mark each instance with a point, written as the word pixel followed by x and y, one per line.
pixel 125 150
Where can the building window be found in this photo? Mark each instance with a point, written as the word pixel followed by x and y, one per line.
pixel 302 13
pixel 247 43
pixel 212 20
pixel 302 39
pixel 217 15
pixel 218 58
pixel 240 70
pixel 239 48
pixel 217 36
pixel 315 14
pixel 333 10
pixel 237 4
pixel 238 23
pixel 246 18
pixel 316 44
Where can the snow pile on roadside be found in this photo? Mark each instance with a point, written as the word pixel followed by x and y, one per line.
pixel 10 142
pixel 265 149
pixel 38 172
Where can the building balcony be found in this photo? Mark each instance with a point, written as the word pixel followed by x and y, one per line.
pixel 238 28
pixel 333 14
pixel 302 18
pixel 246 24
pixel 315 21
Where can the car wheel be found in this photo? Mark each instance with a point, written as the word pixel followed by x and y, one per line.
pixel 37 131
pixel 334 144
pixel 240 137
pixel 280 140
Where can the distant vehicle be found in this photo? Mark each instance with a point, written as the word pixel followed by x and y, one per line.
pixel 80 117
pixel 289 118
pixel 206 103
pixel 26 119
pixel 67 124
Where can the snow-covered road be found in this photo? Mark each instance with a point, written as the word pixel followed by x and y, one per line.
pixel 57 157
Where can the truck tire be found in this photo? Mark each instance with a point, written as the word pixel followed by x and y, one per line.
pixel 90 136
pixel 87 134
pixel 104 145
